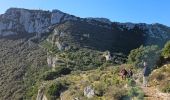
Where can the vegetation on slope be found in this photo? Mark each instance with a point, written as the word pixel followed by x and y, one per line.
pixel 106 82
pixel 27 63
pixel 166 50
pixel 89 69
pixel 21 63
pixel 160 78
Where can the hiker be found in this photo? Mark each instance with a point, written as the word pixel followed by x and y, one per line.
pixel 123 73
pixel 146 72
pixel 130 73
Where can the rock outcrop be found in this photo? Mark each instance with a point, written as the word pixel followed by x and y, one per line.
pixel 41 95
pixel 16 20
pixel 107 56
pixel 88 92
pixel 52 60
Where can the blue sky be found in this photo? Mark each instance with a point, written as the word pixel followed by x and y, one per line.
pixel 147 11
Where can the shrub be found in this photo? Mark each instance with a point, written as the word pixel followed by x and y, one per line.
pixel 94 77
pixel 133 92
pixel 136 92
pixel 116 93
pixel 54 90
pixel 83 59
pixel 131 82
pixel 149 53
pixel 49 46
pixel 32 91
pixel 63 70
pixel 50 75
pixel 100 89
pixel 166 50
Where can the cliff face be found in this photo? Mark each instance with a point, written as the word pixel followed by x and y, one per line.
pixel 16 21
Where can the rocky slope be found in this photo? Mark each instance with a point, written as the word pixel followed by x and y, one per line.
pixel 23 61
pixel 96 33
pixel 115 37
pixel 20 64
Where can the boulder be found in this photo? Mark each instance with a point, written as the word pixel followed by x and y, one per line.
pixel 88 92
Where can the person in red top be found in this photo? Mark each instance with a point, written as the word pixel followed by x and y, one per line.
pixel 123 73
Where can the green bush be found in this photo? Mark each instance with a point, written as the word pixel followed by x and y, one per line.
pixel 136 92
pixel 31 91
pixel 54 90
pixel 62 70
pixel 94 77
pixel 149 53
pixel 100 89
pixel 118 93
pixel 131 82
pixel 166 50
pixel 133 92
pixel 83 59
pixel 49 46
pixel 50 75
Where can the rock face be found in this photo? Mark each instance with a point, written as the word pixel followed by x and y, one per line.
pixel 52 61
pixel 17 20
pixel 89 92
pixel 107 56
pixel 41 95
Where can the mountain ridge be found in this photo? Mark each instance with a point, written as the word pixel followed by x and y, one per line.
pixel 56 16
pixel 106 35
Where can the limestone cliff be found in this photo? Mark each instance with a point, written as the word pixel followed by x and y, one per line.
pixel 16 20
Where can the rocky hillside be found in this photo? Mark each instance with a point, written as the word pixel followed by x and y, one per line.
pixel 116 37
pixel 23 61
pixel 96 33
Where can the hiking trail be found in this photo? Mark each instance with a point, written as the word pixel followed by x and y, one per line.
pixel 151 92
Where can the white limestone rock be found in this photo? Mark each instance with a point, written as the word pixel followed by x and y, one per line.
pixel 89 92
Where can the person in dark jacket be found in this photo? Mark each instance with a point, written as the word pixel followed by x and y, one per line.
pixel 146 72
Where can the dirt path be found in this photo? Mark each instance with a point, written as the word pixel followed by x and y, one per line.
pixel 152 93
